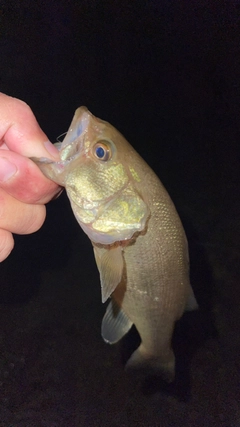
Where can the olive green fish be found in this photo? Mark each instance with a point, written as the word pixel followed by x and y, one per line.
pixel 139 243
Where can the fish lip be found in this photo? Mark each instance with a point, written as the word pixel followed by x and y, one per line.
pixel 63 163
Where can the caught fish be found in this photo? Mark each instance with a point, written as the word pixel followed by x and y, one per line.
pixel 138 240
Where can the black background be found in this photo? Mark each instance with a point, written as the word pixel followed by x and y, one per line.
pixel 166 74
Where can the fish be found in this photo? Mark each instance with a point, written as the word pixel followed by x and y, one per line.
pixel 138 240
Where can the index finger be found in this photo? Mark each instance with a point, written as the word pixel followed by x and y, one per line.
pixel 20 131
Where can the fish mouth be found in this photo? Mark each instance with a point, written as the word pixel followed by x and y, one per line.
pixel 78 127
pixel 72 144
pixel 69 152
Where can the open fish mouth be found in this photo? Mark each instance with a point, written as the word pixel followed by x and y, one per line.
pixel 70 151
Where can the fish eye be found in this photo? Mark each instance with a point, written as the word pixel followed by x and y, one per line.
pixel 102 150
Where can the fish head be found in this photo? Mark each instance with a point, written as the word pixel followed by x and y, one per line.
pixel 96 168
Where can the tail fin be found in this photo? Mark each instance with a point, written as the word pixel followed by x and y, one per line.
pixel 150 365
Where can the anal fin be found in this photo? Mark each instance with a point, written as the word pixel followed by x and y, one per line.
pixel 115 323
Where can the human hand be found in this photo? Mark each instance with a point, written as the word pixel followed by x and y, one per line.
pixel 23 188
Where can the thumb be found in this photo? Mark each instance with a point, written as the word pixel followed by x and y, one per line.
pixel 20 131
pixel 23 180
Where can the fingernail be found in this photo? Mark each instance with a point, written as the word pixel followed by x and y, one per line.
pixel 51 149
pixel 7 169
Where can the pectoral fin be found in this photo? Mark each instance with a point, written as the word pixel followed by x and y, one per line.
pixel 115 323
pixel 110 266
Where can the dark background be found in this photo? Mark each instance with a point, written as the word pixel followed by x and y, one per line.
pixel 166 74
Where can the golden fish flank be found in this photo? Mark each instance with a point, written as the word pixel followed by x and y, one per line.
pixel 139 243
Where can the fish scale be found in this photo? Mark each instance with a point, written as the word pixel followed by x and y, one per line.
pixel 139 243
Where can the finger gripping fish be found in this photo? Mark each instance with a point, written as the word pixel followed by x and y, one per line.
pixel 139 243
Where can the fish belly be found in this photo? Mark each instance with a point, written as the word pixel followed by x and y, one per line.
pixel 155 296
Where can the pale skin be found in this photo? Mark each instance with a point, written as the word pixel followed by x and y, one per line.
pixel 24 190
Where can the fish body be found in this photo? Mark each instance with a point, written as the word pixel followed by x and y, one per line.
pixel 139 243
